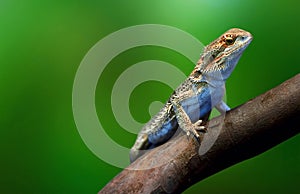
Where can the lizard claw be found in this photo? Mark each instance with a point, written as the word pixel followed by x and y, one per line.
pixel 188 133
pixel 199 127
pixel 195 133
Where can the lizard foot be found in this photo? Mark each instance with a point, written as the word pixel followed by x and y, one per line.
pixel 199 127
pixel 195 134
pixel 194 130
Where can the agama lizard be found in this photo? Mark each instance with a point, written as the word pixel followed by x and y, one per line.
pixel 194 99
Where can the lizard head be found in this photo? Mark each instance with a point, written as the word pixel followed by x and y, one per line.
pixel 222 55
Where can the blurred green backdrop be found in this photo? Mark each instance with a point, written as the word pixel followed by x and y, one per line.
pixel 42 44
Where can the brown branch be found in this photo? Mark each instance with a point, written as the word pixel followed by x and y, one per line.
pixel 247 131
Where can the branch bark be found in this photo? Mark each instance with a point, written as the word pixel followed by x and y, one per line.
pixel 246 131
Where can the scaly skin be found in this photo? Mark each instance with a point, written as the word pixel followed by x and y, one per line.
pixel 194 99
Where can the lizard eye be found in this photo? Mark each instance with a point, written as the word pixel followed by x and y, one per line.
pixel 229 40
pixel 243 37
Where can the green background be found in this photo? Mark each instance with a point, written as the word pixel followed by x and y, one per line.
pixel 42 44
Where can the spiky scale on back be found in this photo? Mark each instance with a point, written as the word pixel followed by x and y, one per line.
pixel 197 95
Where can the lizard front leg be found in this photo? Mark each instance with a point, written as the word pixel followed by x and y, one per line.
pixel 222 107
pixel 182 117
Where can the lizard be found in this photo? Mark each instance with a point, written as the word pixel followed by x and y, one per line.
pixel 194 99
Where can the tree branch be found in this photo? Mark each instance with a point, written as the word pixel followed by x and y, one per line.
pixel 246 131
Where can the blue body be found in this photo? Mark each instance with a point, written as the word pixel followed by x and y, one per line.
pixel 196 108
